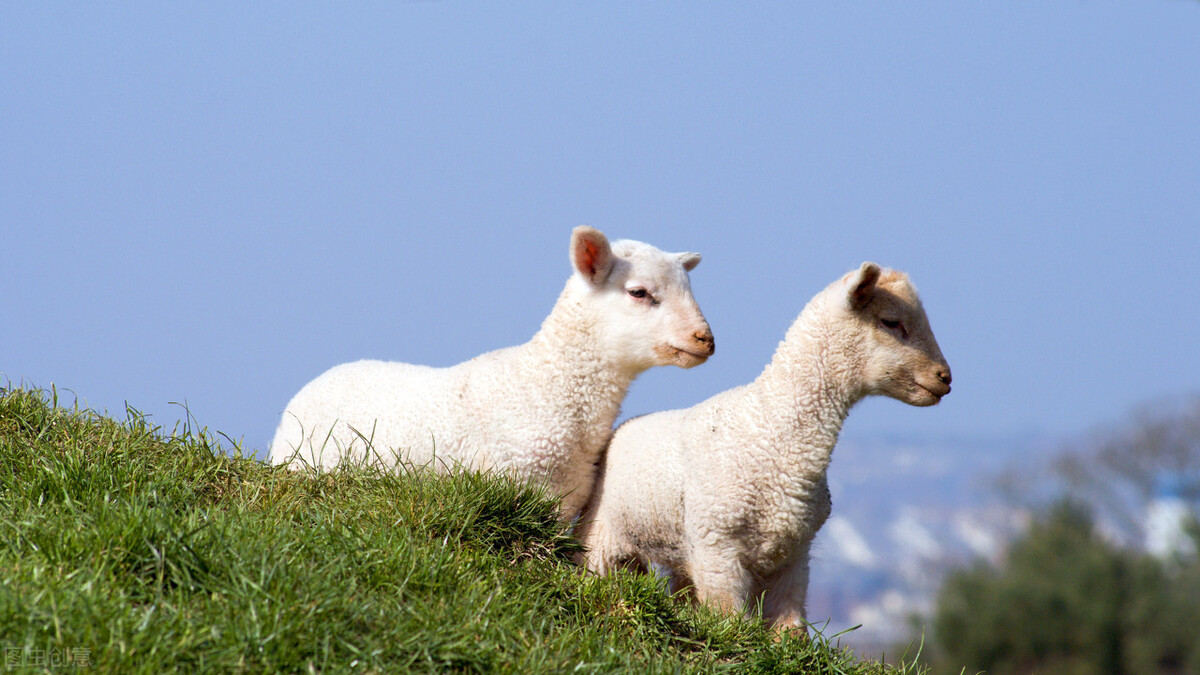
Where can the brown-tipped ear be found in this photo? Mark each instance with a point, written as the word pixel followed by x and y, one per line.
pixel 862 285
pixel 688 260
pixel 591 255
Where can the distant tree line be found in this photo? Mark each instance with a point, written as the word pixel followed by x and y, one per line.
pixel 1119 471
pixel 1079 593
pixel 1068 601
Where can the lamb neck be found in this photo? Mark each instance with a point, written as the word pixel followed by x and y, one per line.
pixel 588 386
pixel 808 390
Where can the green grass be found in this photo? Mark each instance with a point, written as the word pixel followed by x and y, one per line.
pixel 128 549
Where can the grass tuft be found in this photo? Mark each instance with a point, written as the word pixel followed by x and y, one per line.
pixel 125 548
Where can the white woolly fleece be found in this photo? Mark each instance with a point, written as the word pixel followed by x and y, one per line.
pixel 729 494
pixel 542 410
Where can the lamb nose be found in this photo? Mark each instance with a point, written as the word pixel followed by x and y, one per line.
pixel 944 376
pixel 706 338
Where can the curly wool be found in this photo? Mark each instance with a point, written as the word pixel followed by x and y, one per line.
pixel 543 409
pixel 729 494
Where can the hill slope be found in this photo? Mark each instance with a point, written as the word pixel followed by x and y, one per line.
pixel 125 549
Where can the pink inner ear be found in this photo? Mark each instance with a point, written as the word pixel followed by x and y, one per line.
pixel 592 257
pixel 589 255
pixel 862 293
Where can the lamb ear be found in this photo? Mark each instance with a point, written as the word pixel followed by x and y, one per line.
pixel 591 255
pixel 862 285
pixel 688 260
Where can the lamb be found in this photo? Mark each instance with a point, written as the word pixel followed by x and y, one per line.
pixel 729 494
pixel 543 410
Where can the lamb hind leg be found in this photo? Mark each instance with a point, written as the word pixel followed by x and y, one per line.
pixel 680 583
pixel 605 549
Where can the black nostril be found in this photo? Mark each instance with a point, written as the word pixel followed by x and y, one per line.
pixel 944 376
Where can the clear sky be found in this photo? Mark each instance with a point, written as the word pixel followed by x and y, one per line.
pixel 215 202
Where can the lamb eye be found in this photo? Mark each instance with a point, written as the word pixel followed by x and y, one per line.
pixel 639 293
pixel 895 326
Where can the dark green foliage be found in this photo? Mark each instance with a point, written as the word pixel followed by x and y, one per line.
pixel 143 552
pixel 1068 601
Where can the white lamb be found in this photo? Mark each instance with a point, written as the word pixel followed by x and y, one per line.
pixel 542 410
pixel 729 494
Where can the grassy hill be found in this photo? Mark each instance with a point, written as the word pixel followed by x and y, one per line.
pixel 128 549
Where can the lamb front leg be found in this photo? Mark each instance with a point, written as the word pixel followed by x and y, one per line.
pixel 720 580
pixel 786 595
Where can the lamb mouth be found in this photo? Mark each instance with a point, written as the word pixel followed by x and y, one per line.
pixel 683 355
pixel 937 398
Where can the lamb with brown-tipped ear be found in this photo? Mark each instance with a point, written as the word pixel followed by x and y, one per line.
pixel 729 494
pixel 542 410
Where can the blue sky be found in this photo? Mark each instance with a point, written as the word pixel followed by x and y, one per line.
pixel 215 202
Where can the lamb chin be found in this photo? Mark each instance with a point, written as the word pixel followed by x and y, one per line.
pixel 668 355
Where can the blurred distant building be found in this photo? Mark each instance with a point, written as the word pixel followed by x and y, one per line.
pixel 1167 516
